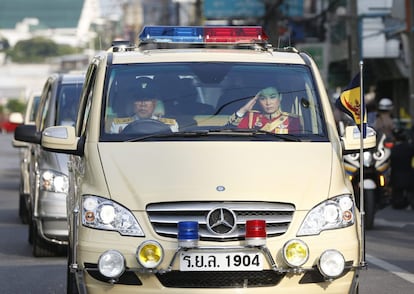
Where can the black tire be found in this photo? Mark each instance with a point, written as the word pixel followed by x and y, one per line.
pixel 370 208
pixel 23 211
pixel 41 247
pixel 71 287
pixel 30 230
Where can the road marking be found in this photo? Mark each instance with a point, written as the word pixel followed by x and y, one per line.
pixel 395 224
pixel 403 274
pixel 9 260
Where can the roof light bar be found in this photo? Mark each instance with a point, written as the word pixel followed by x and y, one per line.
pixel 203 35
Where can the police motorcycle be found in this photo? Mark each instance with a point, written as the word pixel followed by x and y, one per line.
pixel 376 176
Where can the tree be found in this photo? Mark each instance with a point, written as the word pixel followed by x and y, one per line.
pixel 15 105
pixel 37 50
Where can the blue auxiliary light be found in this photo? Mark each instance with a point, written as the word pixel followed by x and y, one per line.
pixel 188 234
pixel 163 34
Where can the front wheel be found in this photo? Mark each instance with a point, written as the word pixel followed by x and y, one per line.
pixel 23 213
pixel 41 247
pixel 370 208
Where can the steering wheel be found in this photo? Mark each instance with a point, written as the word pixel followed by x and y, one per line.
pixel 146 127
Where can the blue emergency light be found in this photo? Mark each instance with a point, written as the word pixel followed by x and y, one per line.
pixel 203 34
pixel 187 233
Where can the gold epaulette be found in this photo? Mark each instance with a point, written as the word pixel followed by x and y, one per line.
pixel 168 121
pixel 289 114
pixel 122 120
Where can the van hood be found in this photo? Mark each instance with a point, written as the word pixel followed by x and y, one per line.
pixel 146 172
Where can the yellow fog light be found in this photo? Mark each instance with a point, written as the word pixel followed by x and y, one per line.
pixel 111 264
pixel 295 252
pixel 150 254
pixel 331 263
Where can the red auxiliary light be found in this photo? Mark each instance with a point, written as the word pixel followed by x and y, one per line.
pixel 255 232
pixel 236 34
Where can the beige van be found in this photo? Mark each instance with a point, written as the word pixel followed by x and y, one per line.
pixel 205 161
pixel 48 171
pixel 25 154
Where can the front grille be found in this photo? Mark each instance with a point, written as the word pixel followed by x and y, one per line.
pixel 179 279
pixel 165 216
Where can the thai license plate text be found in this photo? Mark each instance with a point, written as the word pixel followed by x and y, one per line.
pixel 221 261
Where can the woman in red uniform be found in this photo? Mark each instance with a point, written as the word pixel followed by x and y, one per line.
pixel 270 119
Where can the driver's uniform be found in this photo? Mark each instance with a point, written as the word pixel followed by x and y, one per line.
pixel 119 123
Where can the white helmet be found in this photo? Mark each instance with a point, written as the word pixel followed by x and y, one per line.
pixel 385 104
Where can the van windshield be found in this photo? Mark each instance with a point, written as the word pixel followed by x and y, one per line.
pixel 228 101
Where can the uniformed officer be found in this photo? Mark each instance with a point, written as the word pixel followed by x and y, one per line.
pixel 270 119
pixel 145 107
pixel 384 122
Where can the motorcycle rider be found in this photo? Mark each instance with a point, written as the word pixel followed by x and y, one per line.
pixel 384 122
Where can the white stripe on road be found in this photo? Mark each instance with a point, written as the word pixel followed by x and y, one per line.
pixel 403 274
pixel 395 224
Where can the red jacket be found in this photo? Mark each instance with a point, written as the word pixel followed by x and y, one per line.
pixel 282 123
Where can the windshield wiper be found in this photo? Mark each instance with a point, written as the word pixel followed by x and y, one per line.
pixel 258 133
pixel 198 133
pixel 218 131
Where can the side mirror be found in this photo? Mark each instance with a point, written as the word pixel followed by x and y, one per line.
pixel 351 141
pixel 19 144
pixel 61 139
pixel 27 133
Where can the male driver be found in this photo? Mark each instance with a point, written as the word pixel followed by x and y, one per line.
pixel 145 107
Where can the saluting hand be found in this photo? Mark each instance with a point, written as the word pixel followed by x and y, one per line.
pixel 248 106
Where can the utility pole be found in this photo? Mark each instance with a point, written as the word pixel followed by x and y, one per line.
pixel 354 40
pixel 410 33
pixel 198 13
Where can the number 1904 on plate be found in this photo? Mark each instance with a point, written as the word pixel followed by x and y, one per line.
pixel 221 261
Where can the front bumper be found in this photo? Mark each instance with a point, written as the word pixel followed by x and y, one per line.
pixel 276 277
pixel 51 217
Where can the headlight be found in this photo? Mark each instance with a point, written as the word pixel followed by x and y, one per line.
pixel 111 264
pixel 331 263
pixel 334 213
pixel 53 181
pixel 367 159
pixel 104 214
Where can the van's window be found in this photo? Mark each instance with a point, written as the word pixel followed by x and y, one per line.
pixel 35 107
pixel 68 103
pixel 168 101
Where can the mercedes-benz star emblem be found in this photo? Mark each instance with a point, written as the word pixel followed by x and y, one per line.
pixel 221 221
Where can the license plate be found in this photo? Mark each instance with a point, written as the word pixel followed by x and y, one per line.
pixel 221 261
